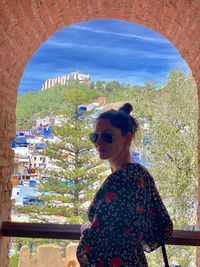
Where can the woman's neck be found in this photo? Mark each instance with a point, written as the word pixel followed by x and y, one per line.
pixel 117 163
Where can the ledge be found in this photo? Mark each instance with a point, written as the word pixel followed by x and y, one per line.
pixel 72 231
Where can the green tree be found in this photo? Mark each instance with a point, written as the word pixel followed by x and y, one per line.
pixel 172 115
pixel 172 155
pixel 100 85
pixel 112 86
pixel 77 172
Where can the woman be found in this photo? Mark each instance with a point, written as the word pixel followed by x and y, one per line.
pixel 127 214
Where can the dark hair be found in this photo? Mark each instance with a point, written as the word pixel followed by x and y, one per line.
pixel 121 119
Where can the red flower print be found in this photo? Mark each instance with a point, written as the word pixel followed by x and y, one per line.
pixel 95 222
pixel 141 182
pixel 110 196
pixel 100 263
pixel 88 250
pixel 127 231
pixel 115 262
pixel 140 209
pixel 169 231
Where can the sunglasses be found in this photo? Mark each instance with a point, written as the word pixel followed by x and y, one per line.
pixel 106 137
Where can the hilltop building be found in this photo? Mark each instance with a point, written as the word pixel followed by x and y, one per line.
pixel 64 80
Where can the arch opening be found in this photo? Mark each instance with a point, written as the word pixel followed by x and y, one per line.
pixel 151 94
pixel 178 21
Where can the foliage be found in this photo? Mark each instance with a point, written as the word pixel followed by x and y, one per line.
pixel 42 103
pixel 172 115
pixel 13 260
pixel 50 102
pixel 76 169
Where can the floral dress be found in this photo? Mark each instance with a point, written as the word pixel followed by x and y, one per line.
pixel 128 217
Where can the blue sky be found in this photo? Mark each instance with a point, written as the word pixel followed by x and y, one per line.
pixel 105 49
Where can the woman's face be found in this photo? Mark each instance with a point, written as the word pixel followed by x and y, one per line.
pixel 109 150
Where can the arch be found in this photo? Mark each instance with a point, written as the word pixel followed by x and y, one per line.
pixel 25 25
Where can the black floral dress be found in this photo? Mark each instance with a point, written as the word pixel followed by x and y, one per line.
pixel 128 217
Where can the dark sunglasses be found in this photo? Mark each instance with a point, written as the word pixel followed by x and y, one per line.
pixel 106 137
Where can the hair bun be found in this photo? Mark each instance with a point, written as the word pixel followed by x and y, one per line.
pixel 126 108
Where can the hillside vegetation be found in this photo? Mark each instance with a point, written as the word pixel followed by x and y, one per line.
pixel 51 102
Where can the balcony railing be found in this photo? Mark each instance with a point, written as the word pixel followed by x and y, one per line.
pixel 72 231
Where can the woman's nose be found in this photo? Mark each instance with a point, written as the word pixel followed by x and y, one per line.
pixel 99 141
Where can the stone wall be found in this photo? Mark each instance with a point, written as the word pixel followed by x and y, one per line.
pixel 25 25
pixel 49 256
pixel 7 133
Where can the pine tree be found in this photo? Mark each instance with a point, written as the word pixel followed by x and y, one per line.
pixel 78 172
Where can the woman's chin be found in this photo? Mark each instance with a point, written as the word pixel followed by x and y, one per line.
pixel 103 155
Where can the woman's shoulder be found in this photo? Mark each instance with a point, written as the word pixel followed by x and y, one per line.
pixel 129 171
pixel 134 167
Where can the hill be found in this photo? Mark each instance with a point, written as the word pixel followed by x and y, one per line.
pixel 50 102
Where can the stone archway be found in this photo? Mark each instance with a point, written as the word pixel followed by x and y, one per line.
pixel 25 25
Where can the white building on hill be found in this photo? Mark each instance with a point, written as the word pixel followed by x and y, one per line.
pixel 64 80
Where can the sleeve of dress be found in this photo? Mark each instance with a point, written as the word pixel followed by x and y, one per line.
pixel 152 221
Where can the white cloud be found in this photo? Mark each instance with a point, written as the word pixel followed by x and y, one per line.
pixel 137 52
pixel 69 44
pixel 150 39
